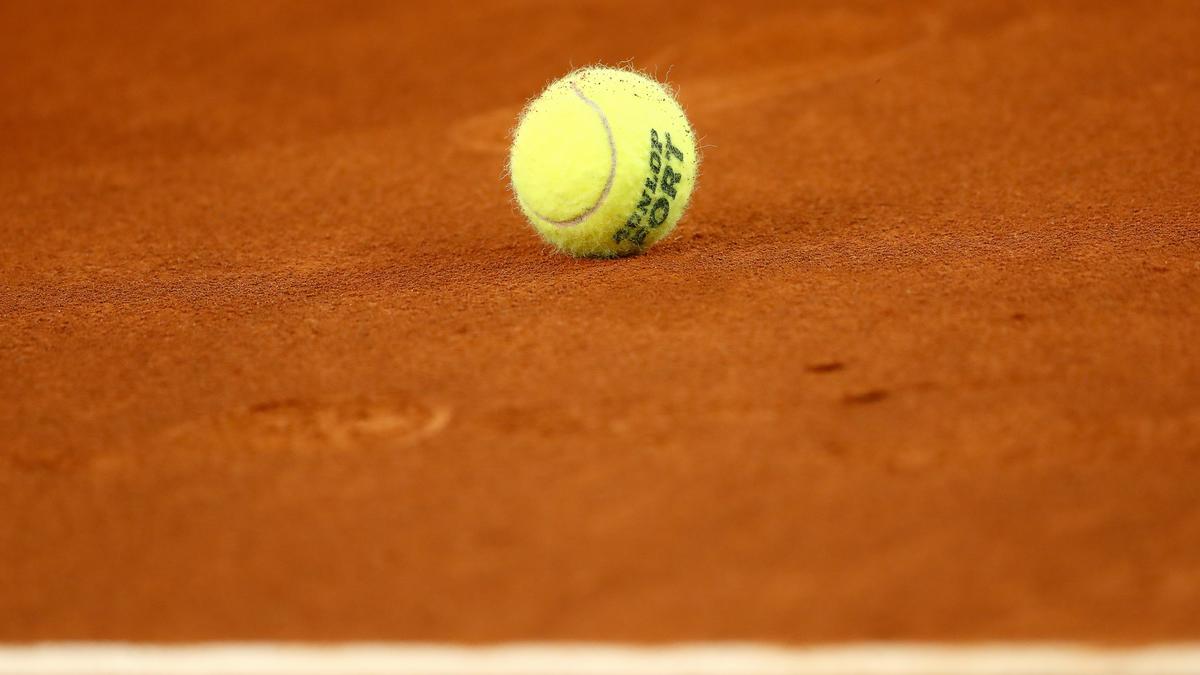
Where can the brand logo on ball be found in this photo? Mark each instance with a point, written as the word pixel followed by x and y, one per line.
pixel 666 166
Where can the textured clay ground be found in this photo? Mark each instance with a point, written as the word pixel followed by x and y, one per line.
pixel 282 361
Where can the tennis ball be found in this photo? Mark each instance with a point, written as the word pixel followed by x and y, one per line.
pixel 603 162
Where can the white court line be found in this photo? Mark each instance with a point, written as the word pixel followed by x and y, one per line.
pixel 598 659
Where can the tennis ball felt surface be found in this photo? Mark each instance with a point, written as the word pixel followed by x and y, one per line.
pixel 603 162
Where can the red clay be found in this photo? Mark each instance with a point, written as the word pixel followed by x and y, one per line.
pixel 282 361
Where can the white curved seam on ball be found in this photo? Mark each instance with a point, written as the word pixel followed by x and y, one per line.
pixel 612 168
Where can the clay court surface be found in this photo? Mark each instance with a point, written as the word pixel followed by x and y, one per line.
pixel 281 360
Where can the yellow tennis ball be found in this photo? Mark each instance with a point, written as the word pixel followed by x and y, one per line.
pixel 603 162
